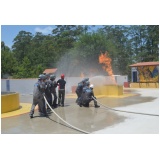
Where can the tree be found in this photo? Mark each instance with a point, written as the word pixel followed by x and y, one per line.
pixel 8 61
pixel 66 35
pixel 22 45
pixel 74 48
pixel 152 42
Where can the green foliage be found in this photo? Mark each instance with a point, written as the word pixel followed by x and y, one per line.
pixel 78 45
pixel 8 61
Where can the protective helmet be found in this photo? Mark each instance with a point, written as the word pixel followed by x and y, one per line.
pixel 92 86
pixel 85 79
pixel 52 77
pixel 62 76
pixel 47 75
pixel 41 77
pixel 87 83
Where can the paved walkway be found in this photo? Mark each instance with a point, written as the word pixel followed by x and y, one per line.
pixel 92 120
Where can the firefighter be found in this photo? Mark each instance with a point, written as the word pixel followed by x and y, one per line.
pixel 53 90
pixel 80 88
pixel 38 96
pixel 61 90
pixel 88 95
pixel 85 80
pixel 48 94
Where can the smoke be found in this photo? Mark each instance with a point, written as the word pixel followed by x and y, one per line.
pixel 101 80
pixel 72 65
pixel 75 68
pixel 68 65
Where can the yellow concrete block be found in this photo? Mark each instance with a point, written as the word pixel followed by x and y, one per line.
pixel 144 85
pixel 108 90
pixel 9 102
pixel 153 85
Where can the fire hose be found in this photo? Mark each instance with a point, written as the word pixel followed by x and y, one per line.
pixel 63 119
pixel 123 110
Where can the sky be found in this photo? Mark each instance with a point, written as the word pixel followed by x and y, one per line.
pixel 9 32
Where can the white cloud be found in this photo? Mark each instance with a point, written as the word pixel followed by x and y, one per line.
pixel 46 30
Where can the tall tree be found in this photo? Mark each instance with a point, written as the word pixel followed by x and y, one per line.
pixel 152 42
pixel 8 61
pixel 22 45
pixel 66 35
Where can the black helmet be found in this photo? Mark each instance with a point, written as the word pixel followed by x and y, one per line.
pixel 52 77
pixel 85 79
pixel 87 83
pixel 41 77
pixel 47 75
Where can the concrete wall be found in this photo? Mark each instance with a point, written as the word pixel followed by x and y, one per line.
pixel 25 86
pixel 10 102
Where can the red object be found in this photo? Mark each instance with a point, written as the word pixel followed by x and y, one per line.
pixel 62 76
pixel 126 84
pixel 50 71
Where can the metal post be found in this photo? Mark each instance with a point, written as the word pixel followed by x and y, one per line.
pixel 8 85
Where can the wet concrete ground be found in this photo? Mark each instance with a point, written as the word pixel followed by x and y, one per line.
pixel 88 119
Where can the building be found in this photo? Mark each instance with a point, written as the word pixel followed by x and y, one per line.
pixel 145 74
pixel 50 71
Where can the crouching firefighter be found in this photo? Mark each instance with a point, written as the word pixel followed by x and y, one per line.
pixel 38 96
pixel 79 89
pixel 88 96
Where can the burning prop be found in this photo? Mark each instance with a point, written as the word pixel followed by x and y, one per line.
pixel 106 60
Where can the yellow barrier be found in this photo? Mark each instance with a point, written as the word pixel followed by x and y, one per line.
pixel 144 85
pixel 108 90
pixel 9 102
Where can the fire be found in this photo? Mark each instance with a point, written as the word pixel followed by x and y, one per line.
pixel 106 60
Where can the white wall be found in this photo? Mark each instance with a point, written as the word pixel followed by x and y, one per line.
pixel 25 86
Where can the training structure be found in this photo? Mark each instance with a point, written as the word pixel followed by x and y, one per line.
pixel 106 86
pixel 145 75
pixel 50 71
pixel 109 90
pixel 9 102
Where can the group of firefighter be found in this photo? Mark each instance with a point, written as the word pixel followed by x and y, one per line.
pixel 46 86
pixel 85 93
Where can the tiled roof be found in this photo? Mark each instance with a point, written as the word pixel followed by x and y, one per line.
pixel 51 70
pixel 145 64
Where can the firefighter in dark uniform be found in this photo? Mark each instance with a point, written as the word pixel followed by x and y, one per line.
pixel 38 96
pixel 80 88
pixel 61 90
pixel 53 89
pixel 48 94
pixel 87 96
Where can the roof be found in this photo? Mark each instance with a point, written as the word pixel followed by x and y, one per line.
pixel 51 70
pixel 145 64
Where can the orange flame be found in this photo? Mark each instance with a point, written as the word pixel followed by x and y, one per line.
pixel 106 60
